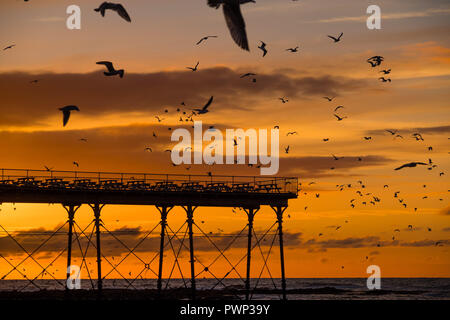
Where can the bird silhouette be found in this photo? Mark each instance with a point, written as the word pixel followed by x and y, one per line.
pixel 393 132
pixel 411 165
pixel 204 39
pixel 375 61
pixel 205 108
pixel 293 49
pixel 339 118
pixel 262 46
pixel 117 7
pixel 234 19
pixel 66 113
pixel 194 68
pixel 9 47
pixel 248 74
pixel 336 39
pixel 111 70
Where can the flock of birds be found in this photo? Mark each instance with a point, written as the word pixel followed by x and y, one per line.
pixel 237 28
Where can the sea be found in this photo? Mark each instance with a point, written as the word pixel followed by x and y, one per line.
pixel 298 288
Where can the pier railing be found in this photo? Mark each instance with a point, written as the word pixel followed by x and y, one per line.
pixel 146 181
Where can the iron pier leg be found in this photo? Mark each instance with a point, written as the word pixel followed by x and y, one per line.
pixel 279 211
pixel 71 213
pixel 190 220
pixel 250 214
pixel 164 210
pixel 97 209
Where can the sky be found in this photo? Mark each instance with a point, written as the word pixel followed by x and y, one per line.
pixel 117 116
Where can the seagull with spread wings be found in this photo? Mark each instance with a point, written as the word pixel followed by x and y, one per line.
pixel 204 39
pixel 293 49
pixel 9 47
pixel 248 74
pixel 194 68
pixel 205 108
pixel 339 118
pixel 111 70
pixel 336 39
pixel 411 165
pixel 117 7
pixel 234 19
pixel 66 113
pixel 263 48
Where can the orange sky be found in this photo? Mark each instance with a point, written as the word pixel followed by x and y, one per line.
pixel 117 117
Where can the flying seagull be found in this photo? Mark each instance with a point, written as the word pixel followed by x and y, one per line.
pixel 204 39
pixel 375 61
pixel 194 68
pixel 339 118
pixel 410 165
pixel 293 49
pixel 263 48
pixel 329 99
pixel 393 132
pixel 117 7
pixel 9 47
pixel 234 19
pixel 111 70
pixel 205 108
pixel 336 39
pixel 66 113
pixel 248 74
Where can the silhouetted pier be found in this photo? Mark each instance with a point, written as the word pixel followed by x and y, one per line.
pixel 165 191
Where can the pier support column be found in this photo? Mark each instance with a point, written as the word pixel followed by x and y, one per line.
pixel 190 221
pixel 71 209
pixel 250 214
pixel 164 210
pixel 97 209
pixel 279 211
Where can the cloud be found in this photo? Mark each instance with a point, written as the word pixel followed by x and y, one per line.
pixel 344 243
pixel 131 236
pixel 392 16
pixel 108 146
pixel 314 245
pixel 24 103
pixel 423 130
pixel 319 166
